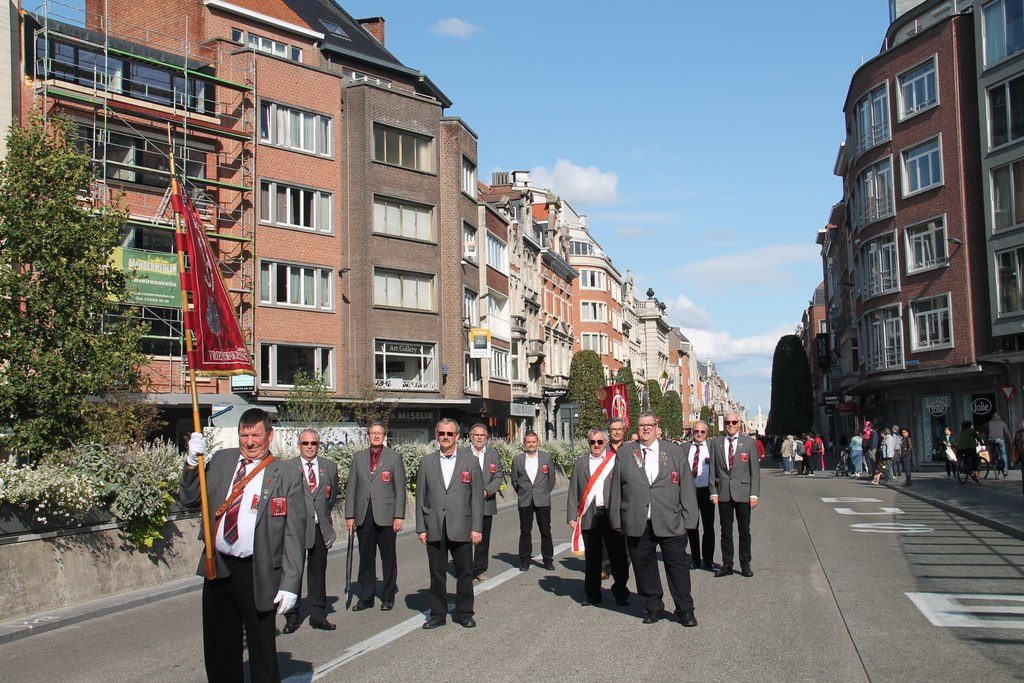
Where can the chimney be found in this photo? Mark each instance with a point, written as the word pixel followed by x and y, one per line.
pixel 375 25
pixel 499 178
pixel 521 178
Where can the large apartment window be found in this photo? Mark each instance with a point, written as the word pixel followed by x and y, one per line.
pixel 292 128
pixel 497 316
pixel 873 194
pixel 270 46
pixel 399 289
pixel 400 148
pixel 871 119
pixel 578 248
pixel 403 219
pixel 1008 195
pixel 280 363
pixel 884 332
pixel 469 177
pixel 497 254
pixel 499 364
pixel 918 89
pixel 926 245
pixel 468 242
pixel 594 342
pixel 137 159
pixel 1003 29
pixel 592 279
pixel 922 167
pixel 470 308
pixel 1006 112
pixel 285 284
pixel 593 311
pixel 474 375
pixel 405 366
pixel 1010 281
pixel 879 265
pixel 932 327
pixel 295 207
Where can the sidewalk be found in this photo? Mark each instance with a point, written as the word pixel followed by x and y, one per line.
pixel 996 503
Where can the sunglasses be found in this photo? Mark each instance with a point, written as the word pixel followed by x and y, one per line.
pixel 446 433
pixel 596 442
pixel 732 422
pixel 700 431
pixel 648 426
pixel 310 443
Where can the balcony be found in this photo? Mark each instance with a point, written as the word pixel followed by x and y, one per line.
pixel 403 384
pixel 880 283
pixel 888 358
pixel 876 208
pixel 499 327
pixel 877 134
pixel 535 350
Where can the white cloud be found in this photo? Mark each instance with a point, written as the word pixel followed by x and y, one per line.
pixel 630 231
pixel 455 27
pixel 766 268
pixel 588 185
pixel 683 312
pixel 725 349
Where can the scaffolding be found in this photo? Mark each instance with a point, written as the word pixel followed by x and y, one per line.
pixel 125 86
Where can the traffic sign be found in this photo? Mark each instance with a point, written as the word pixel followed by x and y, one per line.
pixel 1009 391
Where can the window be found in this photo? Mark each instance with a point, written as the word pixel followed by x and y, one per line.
pixel 872 194
pixel 290 128
pixel 593 311
pixel 281 363
pixel 514 362
pixel 399 148
pixel 403 290
pixel 884 334
pixel 405 366
pixel 918 89
pixel 922 167
pixel 577 248
pixel 926 245
pixel 1008 195
pixel 497 254
pixel 499 364
pixel 283 284
pixel 468 242
pixel 473 374
pixel 871 120
pixel 878 267
pixel 1003 29
pixel 1006 112
pixel 295 207
pixel 469 177
pixel 236 35
pixel 136 159
pixel 273 47
pixel 931 323
pixel 592 279
pixel 497 316
pixel 334 29
pixel 403 219
pixel 470 308
pixel 594 342
pixel 162 330
pixel 1009 270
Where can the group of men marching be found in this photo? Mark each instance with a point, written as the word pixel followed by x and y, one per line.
pixel 625 501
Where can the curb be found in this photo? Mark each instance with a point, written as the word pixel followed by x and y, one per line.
pixel 1007 529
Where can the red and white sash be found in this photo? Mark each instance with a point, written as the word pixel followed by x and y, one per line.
pixel 594 484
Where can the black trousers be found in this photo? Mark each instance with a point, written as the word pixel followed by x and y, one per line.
pixel 316 581
pixel 547 546
pixel 643 551
pixel 595 539
pixel 372 538
pixel 229 611
pixel 805 465
pixel 906 462
pixel 703 551
pixel 437 562
pixel 726 511
pixel 482 551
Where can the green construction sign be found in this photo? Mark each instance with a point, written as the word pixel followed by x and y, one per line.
pixel 154 281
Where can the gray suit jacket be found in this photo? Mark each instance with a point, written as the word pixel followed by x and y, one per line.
pixel 744 480
pixel 534 492
pixel 321 501
pixel 578 483
pixel 388 497
pixel 459 508
pixel 493 476
pixel 279 542
pixel 672 498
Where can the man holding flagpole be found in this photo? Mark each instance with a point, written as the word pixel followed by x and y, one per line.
pixel 593 513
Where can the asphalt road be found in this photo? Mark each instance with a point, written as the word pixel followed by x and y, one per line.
pixel 828 600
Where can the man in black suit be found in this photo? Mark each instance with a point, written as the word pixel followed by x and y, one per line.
pixel 533 478
pixel 734 487
pixel 492 475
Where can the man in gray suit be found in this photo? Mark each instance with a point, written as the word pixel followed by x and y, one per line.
pixel 449 520
pixel 320 476
pixel 259 536
pixel 658 506
pixel 734 486
pixel 698 456
pixel 375 510
pixel 492 476
pixel 533 478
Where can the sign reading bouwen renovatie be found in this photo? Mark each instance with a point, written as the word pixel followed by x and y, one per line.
pixel 152 276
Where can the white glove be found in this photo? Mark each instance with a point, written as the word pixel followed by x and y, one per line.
pixel 196 447
pixel 285 600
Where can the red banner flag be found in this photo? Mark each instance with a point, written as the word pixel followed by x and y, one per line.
pixel 614 403
pixel 219 346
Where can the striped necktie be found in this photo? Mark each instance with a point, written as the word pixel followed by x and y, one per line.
pixel 231 516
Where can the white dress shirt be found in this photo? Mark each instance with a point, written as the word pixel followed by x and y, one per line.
pixel 650 465
pixel 448 468
pixel 480 456
pixel 594 464
pixel 700 450
pixel 242 547
pixel 316 477
pixel 531 467
pixel 730 440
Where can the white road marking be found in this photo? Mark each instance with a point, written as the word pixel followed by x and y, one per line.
pixel 404 628
pixel 891 528
pixel 884 511
pixel 850 499
pixel 948 609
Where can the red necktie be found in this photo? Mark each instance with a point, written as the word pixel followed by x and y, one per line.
pixel 231 516
pixel 375 458
pixel 696 461
pixel 732 451
pixel 312 477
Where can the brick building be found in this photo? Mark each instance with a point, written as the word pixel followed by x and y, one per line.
pixel 597 299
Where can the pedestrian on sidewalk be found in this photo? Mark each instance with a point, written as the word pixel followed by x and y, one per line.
pixel 895 451
pixel 787 454
pixel 798 457
pixel 947 444
pixel 856 454
pixel 967 448
pixel 1000 433
pixel 871 444
pixel 807 466
pixel 819 451
pixel 1018 444
pixel 906 455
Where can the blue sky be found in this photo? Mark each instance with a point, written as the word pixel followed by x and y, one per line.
pixel 699 138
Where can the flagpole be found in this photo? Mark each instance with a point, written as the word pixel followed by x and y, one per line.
pixel 211 567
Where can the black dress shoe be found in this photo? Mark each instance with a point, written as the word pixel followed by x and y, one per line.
pixel 622 601
pixel 291 626
pixel 694 564
pixel 434 622
pixel 362 604
pixel 387 605
pixel 549 565
pixel 724 570
pixel 746 571
pixel 523 566
pixel 687 619
pixel 587 602
pixel 710 566
pixel 322 624
pixel 652 618
pixel 465 622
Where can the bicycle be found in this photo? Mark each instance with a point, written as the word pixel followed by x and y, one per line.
pixel 982 465
pixel 999 461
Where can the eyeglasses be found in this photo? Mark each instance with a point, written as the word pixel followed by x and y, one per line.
pixel 700 431
pixel 446 433
pixel 310 443
pixel 596 442
pixel 732 422
pixel 648 426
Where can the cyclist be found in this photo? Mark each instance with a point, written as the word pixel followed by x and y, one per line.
pixel 967 449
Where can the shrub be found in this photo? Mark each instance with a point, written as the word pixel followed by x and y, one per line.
pixel 50 491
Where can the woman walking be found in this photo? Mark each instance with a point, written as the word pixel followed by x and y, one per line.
pixel 947 445
pixel 856 454
pixel 906 455
pixel 787 454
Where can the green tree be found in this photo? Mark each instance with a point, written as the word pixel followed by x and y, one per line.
pixel 654 397
pixel 625 376
pixel 672 414
pixel 586 376
pixel 309 403
pixel 792 408
pixel 67 335
pixel 707 415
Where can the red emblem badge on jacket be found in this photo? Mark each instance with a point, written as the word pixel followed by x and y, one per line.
pixel 675 477
pixel 327 491
pixel 278 507
pixel 744 457
pixel 464 475
pixel 255 502
pixel 544 469
pixel 493 468
pixel 385 476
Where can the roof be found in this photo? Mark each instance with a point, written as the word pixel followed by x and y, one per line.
pixel 352 37
pixel 540 212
